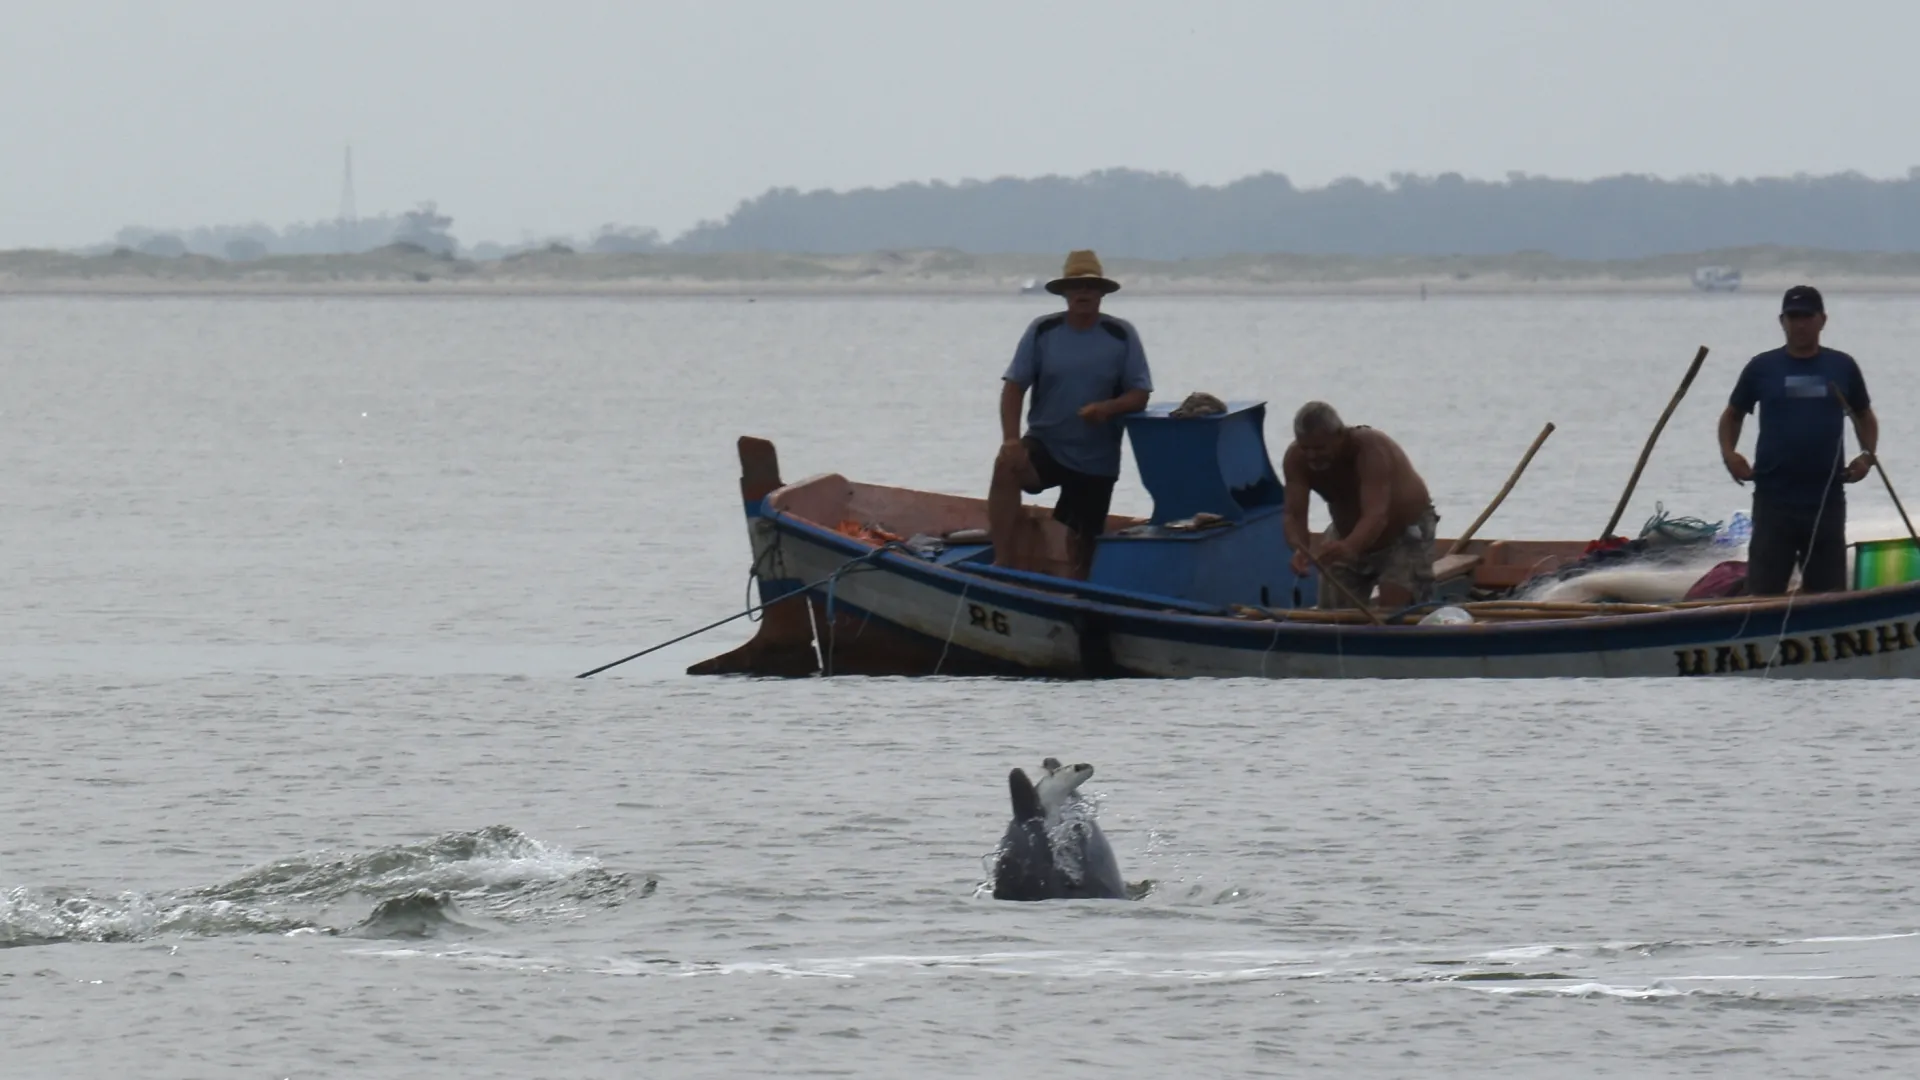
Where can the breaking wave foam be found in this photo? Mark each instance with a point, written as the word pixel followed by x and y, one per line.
pixel 449 885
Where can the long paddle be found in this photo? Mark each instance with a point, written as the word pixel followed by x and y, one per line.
pixel 1495 504
pixel 1647 451
pixel 1329 579
pixel 1855 417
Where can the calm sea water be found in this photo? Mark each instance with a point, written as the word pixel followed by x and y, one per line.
pixel 297 783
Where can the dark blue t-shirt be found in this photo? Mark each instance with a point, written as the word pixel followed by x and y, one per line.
pixel 1799 455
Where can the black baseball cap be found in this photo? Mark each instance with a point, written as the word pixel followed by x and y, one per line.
pixel 1801 298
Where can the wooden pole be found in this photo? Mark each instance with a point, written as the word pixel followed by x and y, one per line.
pixel 1329 579
pixel 1855 418
pixel 1647 450
pixel 1495 504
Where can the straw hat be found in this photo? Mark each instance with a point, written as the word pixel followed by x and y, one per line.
pixel 1082 267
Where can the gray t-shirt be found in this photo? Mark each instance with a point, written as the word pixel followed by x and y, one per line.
pixel 1077 368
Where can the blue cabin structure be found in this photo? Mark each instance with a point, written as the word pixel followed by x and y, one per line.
pixel 1214 464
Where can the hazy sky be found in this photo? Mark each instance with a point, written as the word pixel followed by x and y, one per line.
pixel 539 117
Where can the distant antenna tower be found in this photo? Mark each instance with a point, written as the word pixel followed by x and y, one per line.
pixel 349 217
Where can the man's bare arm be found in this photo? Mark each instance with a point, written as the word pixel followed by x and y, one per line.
pixel 1867 430
pixel 1294 521
pixel 1731 421
pixel 1130 402
pixel 1011 394
pixel 1101 412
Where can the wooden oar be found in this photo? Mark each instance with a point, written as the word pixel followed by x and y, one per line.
pixel 1494 610
pixel 1647 450
pixel 1508 486
pixel 1329 579
pixel 1855 417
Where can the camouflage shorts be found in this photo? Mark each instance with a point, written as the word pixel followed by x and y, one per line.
pixel 1406 562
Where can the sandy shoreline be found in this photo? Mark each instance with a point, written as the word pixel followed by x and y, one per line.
pixel 749 290
pixel 411 273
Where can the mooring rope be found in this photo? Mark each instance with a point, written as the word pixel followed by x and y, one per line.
pixel 827 581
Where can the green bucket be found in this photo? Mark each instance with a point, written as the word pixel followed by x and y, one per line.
pixel 1885 562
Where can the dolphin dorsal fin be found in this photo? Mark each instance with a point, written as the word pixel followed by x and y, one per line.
pixel 1026 801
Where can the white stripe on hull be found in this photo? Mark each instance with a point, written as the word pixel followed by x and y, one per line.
pixel 1048 644
pixel 1021 638
pixel 1173 659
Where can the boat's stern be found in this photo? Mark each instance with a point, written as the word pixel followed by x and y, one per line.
pixel 784 644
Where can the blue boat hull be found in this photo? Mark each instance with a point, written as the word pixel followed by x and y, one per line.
pixel 853 609
pixel 901 609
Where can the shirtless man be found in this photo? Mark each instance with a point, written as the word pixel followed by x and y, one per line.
pixel 1383 519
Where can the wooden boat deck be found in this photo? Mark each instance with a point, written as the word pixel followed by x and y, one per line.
pixel 874 513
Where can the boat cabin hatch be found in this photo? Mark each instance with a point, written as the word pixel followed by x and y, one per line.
pixel 1216 535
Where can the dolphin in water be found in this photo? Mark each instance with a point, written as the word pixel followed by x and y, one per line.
pixel 1080 849
pixel 1024 868
pixel 1053 849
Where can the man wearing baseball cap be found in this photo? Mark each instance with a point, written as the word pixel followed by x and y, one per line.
pixel 1798 471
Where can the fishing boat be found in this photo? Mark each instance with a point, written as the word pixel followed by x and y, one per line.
pixel 1716 279
pixel 868 579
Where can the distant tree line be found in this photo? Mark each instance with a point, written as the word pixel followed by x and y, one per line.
pixel 1127 212
pixel 1162 216
pixel 255 241
pixel 424 227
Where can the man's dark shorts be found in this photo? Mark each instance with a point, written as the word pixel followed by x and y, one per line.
pixel 1084 498
pixel 1785 535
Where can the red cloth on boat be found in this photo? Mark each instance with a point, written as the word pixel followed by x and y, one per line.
pixel 1726 579
pixel 867 533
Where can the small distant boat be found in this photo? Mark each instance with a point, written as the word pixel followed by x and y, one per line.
pixel 1030 286
pixel 1716 279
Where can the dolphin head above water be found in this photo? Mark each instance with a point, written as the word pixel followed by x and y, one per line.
pixel 1059 784
pixel 1053 848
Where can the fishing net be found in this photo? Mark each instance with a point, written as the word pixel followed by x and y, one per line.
pixel 1662 528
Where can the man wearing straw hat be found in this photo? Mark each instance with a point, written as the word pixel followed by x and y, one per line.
pixel 1799 497
pixel 1085 369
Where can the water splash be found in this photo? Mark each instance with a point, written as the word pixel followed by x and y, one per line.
pixel 426 889
pixel 420 914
